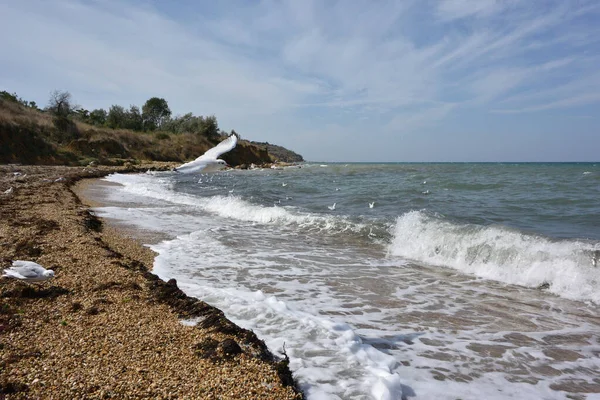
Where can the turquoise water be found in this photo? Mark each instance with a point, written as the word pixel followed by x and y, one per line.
pixel 461 281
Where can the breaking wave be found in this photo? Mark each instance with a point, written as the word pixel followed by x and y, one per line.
pixel 569 268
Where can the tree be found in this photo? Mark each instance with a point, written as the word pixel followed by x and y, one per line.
pixel 155 113
pixel 179 124
pixel 12 97
pixel 4 95
pixel 210 127
pixel 98 117
pixel 116 117
pixel 82 114
pixel 133 119
pixel 61 104
pixel 61 107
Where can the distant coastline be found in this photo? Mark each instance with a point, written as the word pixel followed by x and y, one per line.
pixel 63 135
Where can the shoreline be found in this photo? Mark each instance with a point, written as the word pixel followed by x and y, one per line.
pixel 105 326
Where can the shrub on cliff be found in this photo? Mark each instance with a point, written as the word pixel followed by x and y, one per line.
pixel 67 134
pixel 61 107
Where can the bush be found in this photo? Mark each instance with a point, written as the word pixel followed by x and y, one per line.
pixel 66 130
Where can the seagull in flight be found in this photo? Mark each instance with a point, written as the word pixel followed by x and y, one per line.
pixel 28 271
pixel 332 207
pixel 208 162
pixel 371 205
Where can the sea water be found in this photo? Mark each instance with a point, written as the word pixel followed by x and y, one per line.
pixel 425 281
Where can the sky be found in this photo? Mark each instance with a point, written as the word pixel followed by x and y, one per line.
pixel 373 80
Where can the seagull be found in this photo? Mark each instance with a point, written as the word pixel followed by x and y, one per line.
pixel 371 205
pixel 284 184
pixel 208 162
pixel 332 207
pixel 28 271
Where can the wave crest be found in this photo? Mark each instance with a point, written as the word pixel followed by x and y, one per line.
pixel 500 253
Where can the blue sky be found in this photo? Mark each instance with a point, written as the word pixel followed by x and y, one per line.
pixel 447 80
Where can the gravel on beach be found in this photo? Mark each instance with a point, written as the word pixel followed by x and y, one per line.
pixel 104 326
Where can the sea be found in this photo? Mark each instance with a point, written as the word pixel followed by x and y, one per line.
pixel 394 280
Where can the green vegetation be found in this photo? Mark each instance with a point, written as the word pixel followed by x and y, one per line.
pixel 156 113
pixel 279 153
pixel 65 133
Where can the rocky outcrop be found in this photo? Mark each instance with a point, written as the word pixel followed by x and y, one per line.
pixel 246 153
pixel 279 153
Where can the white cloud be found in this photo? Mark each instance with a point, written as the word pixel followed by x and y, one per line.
pixel 409 122
pixel 497 82
pixel 268 65
pixel 456 9
pixel 580 91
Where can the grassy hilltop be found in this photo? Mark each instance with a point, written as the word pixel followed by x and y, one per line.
pixel 64 135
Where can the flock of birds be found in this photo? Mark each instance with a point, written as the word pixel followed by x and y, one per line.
pixel 29 271
pixel 331 207
pixel 209 162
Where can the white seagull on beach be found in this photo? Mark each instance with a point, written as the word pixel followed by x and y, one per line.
pixel 208 162
pixel 28 271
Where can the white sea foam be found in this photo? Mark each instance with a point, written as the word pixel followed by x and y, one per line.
pixel 500 253
pixel 319 303
pixel 380 328
pixel 328 357
pixel 230 206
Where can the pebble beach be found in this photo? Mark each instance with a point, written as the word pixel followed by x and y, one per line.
pixel 105 326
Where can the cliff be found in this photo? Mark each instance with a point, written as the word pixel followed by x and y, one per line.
pixel 29 136
pixel 278 153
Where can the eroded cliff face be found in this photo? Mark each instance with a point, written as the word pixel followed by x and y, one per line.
pixel 279 153
pixel 245 154
pixel 23 145
pixel 32 137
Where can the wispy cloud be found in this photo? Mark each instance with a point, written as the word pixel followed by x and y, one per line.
pixel 409 122
pixel 456 9
pixel 264 65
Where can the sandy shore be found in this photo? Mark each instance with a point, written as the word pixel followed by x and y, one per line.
pixel 105 327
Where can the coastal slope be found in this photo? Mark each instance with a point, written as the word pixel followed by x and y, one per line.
pixel 35 137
